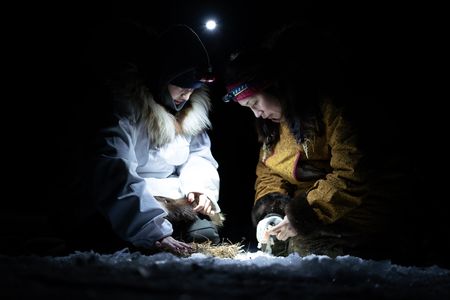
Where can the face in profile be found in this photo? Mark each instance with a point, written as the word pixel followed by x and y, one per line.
pixel 264 106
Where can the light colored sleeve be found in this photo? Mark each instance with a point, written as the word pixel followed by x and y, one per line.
pixel 120 193
pixel 199 173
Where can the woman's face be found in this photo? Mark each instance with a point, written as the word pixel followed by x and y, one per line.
pixel 179 94
pixel 264 106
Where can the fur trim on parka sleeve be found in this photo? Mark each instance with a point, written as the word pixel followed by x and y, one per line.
pixel 301 215
pixel 273 203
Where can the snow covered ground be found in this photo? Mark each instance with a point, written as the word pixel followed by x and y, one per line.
pixel 125 275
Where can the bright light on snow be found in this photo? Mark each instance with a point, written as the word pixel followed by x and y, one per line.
pixel 133 275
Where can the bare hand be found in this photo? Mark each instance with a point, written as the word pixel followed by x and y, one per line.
pixel 173 245
pixel 204 204
pixel 283 230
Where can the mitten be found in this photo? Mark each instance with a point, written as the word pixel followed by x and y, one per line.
pixel 273 203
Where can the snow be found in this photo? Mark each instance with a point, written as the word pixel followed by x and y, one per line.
pixel 132 275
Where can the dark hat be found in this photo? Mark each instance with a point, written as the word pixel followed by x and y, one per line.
pixel 182 58
pixel 188 79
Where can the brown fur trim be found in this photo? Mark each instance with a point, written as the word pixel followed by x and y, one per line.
pixel 273 203
pixel 181 211
pixel 218 219
pixel 302 216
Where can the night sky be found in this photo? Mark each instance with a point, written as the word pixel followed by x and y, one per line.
pixel 389 50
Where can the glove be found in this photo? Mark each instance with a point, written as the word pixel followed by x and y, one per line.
pixel 273 203
pixel 261 229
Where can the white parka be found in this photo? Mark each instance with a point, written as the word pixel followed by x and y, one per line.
pixel 151 153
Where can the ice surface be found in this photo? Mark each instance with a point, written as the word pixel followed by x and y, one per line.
pixel 249 275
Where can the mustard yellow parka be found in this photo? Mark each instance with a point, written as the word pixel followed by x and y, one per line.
pixel 349 194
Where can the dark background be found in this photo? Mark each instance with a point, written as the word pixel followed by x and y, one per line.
pixel 393 50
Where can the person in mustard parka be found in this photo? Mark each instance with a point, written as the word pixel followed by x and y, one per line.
pixel 320 186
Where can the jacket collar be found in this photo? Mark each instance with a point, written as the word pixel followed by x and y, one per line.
pixel 162 126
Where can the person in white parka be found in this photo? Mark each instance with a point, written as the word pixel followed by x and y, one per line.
pixel 157 147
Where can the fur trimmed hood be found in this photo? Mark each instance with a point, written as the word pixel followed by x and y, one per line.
pixel 163 126
pixel 135 101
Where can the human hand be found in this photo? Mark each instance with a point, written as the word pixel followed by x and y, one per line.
pixel 204 204
pixel 170 244
pixel 262 234
pixel 282 230
pixel 272 203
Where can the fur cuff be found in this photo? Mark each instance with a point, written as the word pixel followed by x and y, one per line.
pixel 302 216
pixel 181 211
pixel 273 203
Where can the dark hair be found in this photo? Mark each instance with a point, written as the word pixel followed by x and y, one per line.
pixel 303 65
pixel 247 66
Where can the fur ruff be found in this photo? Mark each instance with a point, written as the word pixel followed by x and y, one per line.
pixel 181 211
pixel 302 216
pixel 163 126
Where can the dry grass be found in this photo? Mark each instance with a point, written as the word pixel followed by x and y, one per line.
pixel 223 250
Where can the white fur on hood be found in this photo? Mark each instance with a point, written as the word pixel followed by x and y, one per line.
pixel 162 125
